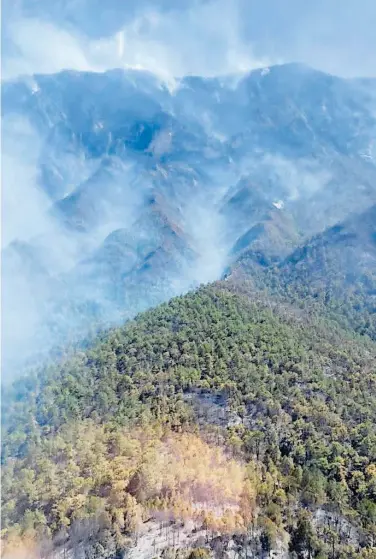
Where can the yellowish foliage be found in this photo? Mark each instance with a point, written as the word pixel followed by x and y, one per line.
pixel 371 470
pixel 194 478
pixel 18 548
pixel 130 475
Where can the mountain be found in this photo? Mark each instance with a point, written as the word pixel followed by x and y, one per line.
pixel 339 267
pixel 235 420
pixel 212 424
pixel 152 253
pixel 334 273
pixel 258 223
pixel 176 183
pixel 344 254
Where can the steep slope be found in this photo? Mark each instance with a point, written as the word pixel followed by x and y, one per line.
pixel 258 162
pixel 257 225
pixel 344 253
pixel 339 267
pixel 154 253
pixel 293 401
pixel 333 273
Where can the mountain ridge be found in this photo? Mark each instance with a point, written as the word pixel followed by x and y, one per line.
pixel 110 142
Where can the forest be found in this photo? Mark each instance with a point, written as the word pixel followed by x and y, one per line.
pixel 252 419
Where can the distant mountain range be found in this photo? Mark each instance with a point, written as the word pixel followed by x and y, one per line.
pixel 149 191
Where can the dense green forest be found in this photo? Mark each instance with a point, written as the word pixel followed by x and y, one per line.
pixel 271 410
pixel 348 301
pixel 350 304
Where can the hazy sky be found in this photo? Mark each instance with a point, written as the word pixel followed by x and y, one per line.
pixel 175 37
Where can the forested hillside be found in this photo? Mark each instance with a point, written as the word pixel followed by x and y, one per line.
pixel 332 274
pixel 251 422
pixel 188 279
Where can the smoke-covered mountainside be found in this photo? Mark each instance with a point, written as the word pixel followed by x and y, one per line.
pixel 120 192
pixel 216 425
pixel 333 273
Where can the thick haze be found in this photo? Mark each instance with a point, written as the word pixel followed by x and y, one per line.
pixel 188 37
pixel 66 154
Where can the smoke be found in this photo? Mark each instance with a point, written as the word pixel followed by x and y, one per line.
pixel 204 37
pixel 23 553
pixel 130 208
pixel 295 180
pixel 69 246
pixel 24 207
pixel 202 40
pixel 70 183
pixel 41 47
pixel 41 249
